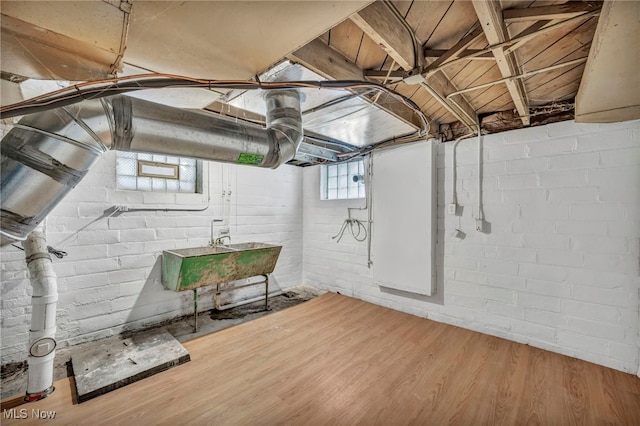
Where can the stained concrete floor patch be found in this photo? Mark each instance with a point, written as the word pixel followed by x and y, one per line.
pixel 117 362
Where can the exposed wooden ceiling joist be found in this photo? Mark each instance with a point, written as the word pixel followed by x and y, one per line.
pixel 490 15
pixel 558 11
pixel 322 59
pixel 331 64
pixel 381 25
pixel 385 28
pixel 439 86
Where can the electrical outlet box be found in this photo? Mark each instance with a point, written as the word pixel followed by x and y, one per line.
pixel 224 232
pixel 451 208
pixel 479 225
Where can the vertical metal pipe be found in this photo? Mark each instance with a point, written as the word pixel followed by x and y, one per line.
pixel 195 310
pixel 266 292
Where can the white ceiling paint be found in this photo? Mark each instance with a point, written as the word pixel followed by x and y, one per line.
pixel 226 40
pixel 203 39
pixel 61 40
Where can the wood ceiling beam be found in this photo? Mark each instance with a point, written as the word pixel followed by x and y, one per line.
pixel 439 86
pixel 331 64
pixel 389 32
pixel 383 26
pixel 558 11
pixel 490 15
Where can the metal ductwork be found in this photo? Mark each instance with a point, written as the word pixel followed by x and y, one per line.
pixel 46 154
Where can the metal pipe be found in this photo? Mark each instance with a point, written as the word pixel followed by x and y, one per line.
pixel 195 310
pixel 266 292
pixel 42 343
pixel 523 75
pixel 480 213
pixel 369 194
pixel 247 301
pixel 514 40
pixel 48 153
pixel 454 191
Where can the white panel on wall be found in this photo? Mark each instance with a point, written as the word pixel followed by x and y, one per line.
pixel 403 218
pixel 557 266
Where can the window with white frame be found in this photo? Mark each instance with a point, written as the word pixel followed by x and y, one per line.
pixel 159 173
pixel 342 181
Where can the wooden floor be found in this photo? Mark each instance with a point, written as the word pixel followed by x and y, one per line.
pixel 338 360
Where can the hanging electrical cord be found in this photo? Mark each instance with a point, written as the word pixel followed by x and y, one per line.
pixel 110 87
pixel 417 60
pixel 336 101
pixel 365 150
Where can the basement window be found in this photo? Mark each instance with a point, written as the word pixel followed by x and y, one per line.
pixel 342 181
pixel 158 173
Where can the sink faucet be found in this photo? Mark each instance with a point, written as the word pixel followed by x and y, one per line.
pixel 218 241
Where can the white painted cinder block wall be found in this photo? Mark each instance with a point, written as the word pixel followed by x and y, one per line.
pixel 110 281
pixel 559 268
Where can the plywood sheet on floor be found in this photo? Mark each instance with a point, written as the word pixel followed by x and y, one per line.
pixel 116 362
pixel 339 360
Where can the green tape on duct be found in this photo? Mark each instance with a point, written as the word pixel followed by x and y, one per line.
pixel 250 158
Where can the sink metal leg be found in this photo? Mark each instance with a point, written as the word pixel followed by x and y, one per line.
pixel 266 292
pixel 216 297
pixel 195 310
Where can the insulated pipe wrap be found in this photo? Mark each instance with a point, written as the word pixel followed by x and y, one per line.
pixel 44 299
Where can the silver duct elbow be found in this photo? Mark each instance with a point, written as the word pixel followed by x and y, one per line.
pixel 46 154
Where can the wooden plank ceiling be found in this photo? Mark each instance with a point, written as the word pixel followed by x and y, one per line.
pixel 433 38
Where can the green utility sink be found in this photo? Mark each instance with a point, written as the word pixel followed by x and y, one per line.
pixel 187 269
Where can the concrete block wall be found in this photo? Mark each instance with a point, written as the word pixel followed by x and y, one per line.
pixel 558 266
pixel 110 281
